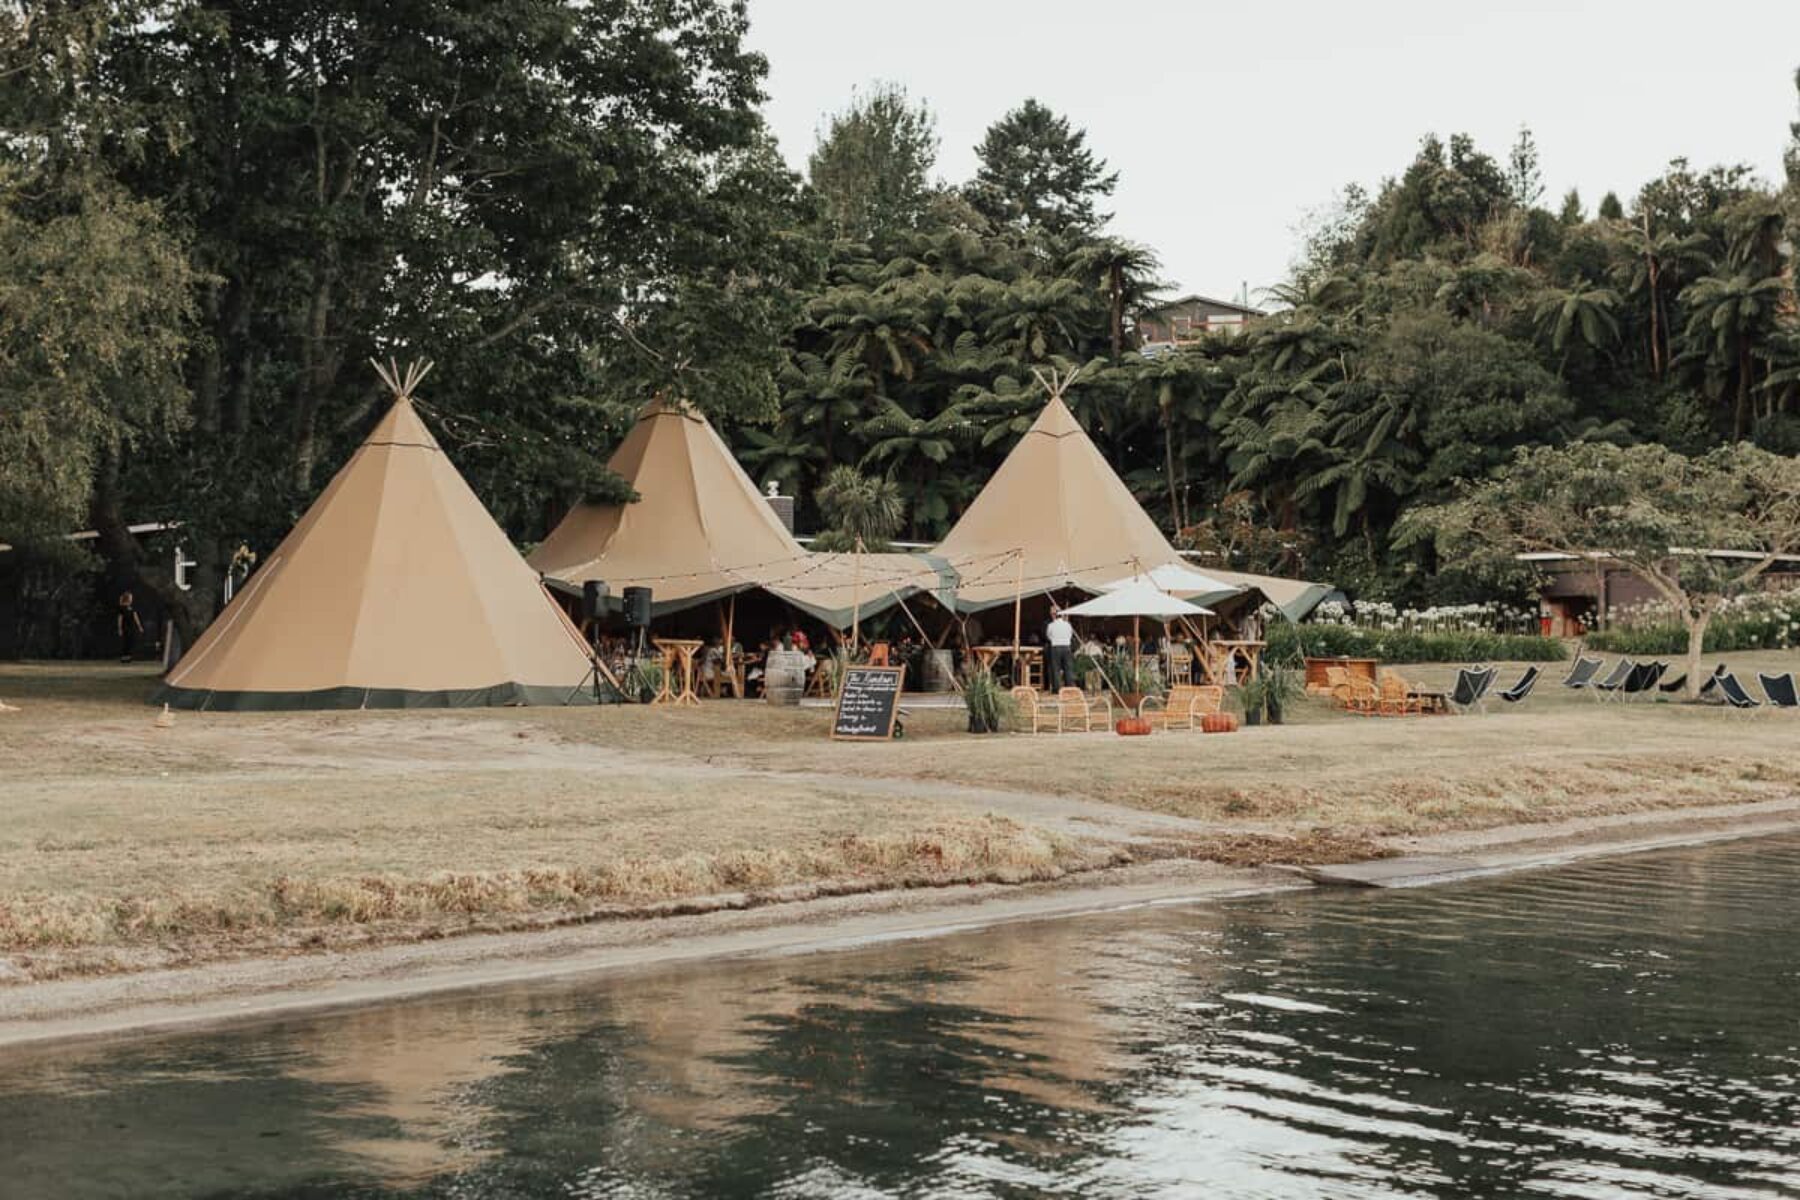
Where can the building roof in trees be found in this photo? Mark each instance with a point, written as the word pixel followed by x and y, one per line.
pixel 1199 301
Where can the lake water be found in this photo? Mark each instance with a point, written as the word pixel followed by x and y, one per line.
pixel 1626 1028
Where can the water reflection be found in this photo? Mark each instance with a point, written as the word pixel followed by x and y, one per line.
pixel 1626 1028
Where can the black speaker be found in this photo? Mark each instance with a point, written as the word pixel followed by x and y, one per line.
pixel 593 599
pixel 637 607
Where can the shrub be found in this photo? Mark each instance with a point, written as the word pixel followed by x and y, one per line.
pixel 1288 641
pixel 1760 621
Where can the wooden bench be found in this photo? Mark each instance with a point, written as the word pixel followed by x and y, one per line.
pixel 1183 707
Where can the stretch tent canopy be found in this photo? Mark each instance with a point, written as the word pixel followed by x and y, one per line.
pixel 1296 598
pixel 700 530
pixel 1054 515
pixel 395 590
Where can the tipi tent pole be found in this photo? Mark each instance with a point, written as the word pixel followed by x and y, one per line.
pixel 1018 601
pixel 955 686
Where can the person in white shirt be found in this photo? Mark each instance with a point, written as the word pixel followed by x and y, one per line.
pixel 1059 666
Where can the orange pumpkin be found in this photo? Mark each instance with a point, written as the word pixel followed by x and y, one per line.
pixel 1132 726
pixel 1219 722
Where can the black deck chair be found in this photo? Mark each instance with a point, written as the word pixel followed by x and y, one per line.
pixel 1674 685
pixel 1471 687
pixel 1521 689
pixel 1622 670
pixel 1644 678
pixel 1712 682
pixel 1734 692
pixel 1582 673
pixel 1780 690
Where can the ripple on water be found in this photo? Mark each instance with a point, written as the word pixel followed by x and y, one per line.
pixel 1622 1028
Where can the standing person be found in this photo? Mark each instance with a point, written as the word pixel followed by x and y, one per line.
pixel 129 627
pixel 1060 635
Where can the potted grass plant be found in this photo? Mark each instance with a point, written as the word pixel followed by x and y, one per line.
pixel 1130 680
pixel 989 704
pixel 1267 697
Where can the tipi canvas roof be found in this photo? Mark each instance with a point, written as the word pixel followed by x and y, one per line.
pixel 700 529
pixel 1054 515
pixel 395 590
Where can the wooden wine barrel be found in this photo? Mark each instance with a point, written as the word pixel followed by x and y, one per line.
pixel 940 669
pixel 784 676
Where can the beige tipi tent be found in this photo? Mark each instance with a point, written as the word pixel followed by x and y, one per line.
pixel 395 590
pixel 700 530
pixel 1055 515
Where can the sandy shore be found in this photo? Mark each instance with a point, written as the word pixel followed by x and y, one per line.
pixel 255 989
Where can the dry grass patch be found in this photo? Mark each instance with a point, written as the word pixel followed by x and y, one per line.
pixel 235 833
pixel 58 933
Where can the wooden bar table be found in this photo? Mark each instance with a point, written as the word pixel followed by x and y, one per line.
pixel 1219 652
pixel 1028 656
pixel 682 650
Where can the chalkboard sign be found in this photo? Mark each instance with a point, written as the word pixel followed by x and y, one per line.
pixel 868 704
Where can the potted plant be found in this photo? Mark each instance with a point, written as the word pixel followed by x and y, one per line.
pixel 1266 697
pixel 1130 679
pixel 989 704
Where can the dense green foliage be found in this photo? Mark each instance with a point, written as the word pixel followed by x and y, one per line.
pixel 1699 531
pixel 566 205
pixel 1430 331
pixel 574 206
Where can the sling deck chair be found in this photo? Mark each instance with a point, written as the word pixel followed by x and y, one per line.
pixel 1712 683
pixel 1582 673
pixel 1643 679
pixel 1183 707
pixel 1734 692
pixel 1084 712
pixel 1518 691
pixel 1042 712
pixel 1605 689
pixel 1471 688
pixel 1779 690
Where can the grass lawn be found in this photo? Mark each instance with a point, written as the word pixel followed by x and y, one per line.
pixel 127 845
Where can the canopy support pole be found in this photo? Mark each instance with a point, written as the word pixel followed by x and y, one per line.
pixel 954 685
pixel 856 594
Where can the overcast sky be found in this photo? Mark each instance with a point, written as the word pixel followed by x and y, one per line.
pixel 1228 123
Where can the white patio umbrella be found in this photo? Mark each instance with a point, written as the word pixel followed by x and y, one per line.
pixel 1135 599
pixel 1177 580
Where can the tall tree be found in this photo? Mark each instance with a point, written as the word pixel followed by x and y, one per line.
pixel 872 166
pixel 95 302
pixel 555 200
pixel 1037 173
